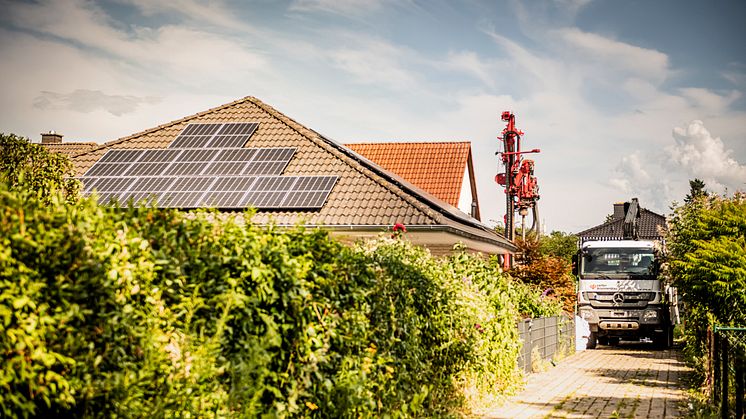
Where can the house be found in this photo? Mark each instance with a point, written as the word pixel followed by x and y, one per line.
pixel 247 154
pixel 52 141
pixel 444 169
pixel 650 226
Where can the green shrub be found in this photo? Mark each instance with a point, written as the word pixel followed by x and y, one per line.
pixel 137 311
pixel 707 246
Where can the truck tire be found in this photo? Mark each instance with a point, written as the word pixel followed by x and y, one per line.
pixel 592 341
pixel 661 340
pixel 603 340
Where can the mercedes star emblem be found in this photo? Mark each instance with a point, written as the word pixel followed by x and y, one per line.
pixel 618 298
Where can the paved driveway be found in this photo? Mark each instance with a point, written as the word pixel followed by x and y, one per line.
pixel 630 381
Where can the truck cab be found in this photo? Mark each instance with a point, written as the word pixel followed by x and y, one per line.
pixel 621 294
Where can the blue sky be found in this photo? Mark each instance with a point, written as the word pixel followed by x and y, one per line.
pixel 625 98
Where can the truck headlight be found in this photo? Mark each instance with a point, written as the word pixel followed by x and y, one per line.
pixel 649 315
pixel 585 314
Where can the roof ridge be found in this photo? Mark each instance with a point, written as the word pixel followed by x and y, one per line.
pixel 411 142
pixel 166 125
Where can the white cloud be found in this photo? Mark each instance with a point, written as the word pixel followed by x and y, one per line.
pixel 615 55
pixel 707 99
pixel 375 62
pixel 698 154
pixel 213 12
pixel 87 101
pixel 350 8
pixel 470 63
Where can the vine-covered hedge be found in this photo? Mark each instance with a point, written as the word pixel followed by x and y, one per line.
pixel 136 312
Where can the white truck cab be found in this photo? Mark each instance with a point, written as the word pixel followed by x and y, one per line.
pixel 621 294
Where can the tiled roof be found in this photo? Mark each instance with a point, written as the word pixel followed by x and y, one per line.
pixel 650 226
pixel 70 149
pixel 365 196
pixel 437 167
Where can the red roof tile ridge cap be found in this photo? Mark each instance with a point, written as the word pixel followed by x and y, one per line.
pixel 166 125
pixel 418 142
pixel 321 141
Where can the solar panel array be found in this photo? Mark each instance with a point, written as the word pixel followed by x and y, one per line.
pixel 234 134
pixel 206 166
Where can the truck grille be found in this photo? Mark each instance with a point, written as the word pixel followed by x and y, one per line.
pixel 607 299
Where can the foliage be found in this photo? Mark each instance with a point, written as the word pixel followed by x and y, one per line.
pixel 707 260
pixel 134 312
pixel 545 264
pixel 559 244
pixel 697 190
pixel 28 166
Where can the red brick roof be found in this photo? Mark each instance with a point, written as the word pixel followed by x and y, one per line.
pixel 438 168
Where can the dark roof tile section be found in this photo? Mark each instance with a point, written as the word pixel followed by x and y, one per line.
pixel 651 226
pixel 364 196
pixel 436 167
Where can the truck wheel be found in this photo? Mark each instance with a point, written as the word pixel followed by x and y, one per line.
pixel 603 340
pixel 592 341
pixel 661 339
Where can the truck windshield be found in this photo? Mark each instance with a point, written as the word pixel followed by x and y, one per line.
pixel 605 261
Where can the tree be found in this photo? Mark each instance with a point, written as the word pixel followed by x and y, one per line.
pixel 696 190
pixel 546 264
pixel 559 244
pixel 28 166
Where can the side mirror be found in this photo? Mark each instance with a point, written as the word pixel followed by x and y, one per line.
pixel 575 264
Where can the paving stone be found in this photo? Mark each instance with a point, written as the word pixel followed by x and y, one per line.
pixel 628 381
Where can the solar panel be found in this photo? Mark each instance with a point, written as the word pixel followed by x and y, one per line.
pixel 146 169
pixel 184 169
pixel 226 168
pixel 197 155
pixel 154 156
pixel 236 154
pixel 195 136
pixel 205 166
pixel 120 156
pixel 230 135
pixel 107 169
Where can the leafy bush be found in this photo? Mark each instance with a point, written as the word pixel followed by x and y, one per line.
pixel 137 311
pixel 26 166
pixel 707 246
pixel 153 312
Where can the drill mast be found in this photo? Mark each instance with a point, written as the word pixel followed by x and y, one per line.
pixel 521 186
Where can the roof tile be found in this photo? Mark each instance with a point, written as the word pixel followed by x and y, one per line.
pixel 436 167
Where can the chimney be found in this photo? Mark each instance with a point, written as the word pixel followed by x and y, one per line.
pixel 619 211
pixel 51 137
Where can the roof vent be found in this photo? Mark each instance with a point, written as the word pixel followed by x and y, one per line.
pixel 51 137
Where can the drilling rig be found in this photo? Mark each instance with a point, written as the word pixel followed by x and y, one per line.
pixel 521 187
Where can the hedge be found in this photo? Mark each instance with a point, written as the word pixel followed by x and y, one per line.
pixel 138 311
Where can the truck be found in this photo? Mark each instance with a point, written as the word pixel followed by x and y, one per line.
pixel 621 290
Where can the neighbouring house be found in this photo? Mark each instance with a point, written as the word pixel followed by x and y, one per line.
pixel 444 169
pixel 650 226
pixel 247 154
pixel 52 141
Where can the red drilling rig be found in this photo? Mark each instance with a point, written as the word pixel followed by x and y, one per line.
pixel 521 187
